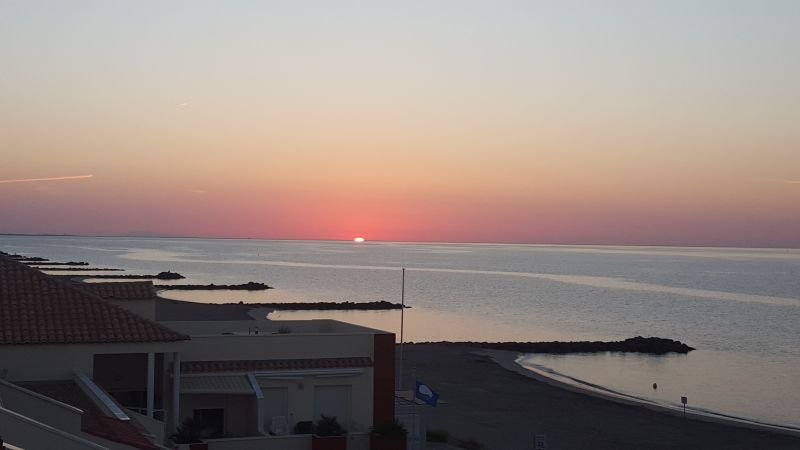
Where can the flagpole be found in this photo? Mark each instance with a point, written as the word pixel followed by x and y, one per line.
pixel 402 317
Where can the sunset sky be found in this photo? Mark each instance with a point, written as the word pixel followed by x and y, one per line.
pixel 623 122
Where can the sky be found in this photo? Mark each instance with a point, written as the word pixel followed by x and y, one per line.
pixel 585 122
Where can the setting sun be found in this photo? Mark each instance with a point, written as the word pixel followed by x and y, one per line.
pixel 358 239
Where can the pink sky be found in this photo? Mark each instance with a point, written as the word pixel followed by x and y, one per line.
pixel 540 124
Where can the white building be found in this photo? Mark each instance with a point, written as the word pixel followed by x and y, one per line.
pixel 90 368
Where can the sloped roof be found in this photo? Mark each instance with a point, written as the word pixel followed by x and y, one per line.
pixel 129 290
pixel 274 364
pixel 36 308
pixel 216 384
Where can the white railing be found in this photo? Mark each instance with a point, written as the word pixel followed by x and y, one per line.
pixel 100 398
pixel 158 414
pixel 355 441
pixel 30 434
pixel 155 427
pixel 40 407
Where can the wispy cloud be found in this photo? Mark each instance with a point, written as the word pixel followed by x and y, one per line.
pixel 776 181
pixel 34 180
pixel 196 191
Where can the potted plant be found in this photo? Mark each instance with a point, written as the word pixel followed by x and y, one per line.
pixel 388 435
pixel 189 433
pixel 328 435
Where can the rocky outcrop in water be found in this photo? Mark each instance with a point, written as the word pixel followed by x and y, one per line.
pixel 161 276
pixel 251 286
pixel 331 306
pixel 52 263
pixel 638 344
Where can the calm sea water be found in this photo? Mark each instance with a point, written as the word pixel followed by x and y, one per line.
pixel 739 307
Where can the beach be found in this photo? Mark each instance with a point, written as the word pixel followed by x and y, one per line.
pixel 504 409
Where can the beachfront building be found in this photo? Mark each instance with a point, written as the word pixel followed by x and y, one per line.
pixel 79 369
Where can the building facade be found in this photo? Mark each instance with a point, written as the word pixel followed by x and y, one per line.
pixel 102 371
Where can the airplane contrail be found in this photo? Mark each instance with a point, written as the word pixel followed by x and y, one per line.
pixel 32 180
pixel 775 180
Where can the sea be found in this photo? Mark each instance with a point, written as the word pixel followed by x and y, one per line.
pixel 739 307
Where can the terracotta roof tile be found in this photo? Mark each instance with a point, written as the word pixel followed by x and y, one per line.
pixel 40 309
pixel 274 364
pixel 127 432
pixel 129 290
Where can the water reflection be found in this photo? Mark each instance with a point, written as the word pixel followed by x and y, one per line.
pixel 730 390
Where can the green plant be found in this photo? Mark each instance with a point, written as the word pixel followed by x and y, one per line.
pixel 469 444
pixel 188 433
pixel 328 426
pixel 390 428
pixel 437 436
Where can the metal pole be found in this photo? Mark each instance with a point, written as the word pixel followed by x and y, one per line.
pixel 402 319
pixel 151 383
pixel 176 390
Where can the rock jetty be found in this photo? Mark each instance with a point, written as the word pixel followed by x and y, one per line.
pixel 638 344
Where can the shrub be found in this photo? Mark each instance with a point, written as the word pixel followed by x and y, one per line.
pixel 188 433
pixel 390 428
pixel 437 436
pixel 328 426
pixel 469 444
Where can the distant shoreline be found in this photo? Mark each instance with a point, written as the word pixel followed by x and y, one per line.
pixel 341 240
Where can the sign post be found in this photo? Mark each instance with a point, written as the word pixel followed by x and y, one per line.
pixel 539 442
pixel 402 317
pixel 684 400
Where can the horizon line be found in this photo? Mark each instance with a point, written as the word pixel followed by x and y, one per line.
pixel 565 244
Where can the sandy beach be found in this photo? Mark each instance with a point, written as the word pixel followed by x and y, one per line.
pixel 503 409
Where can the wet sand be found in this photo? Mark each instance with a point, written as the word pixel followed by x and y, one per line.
pixel 503 409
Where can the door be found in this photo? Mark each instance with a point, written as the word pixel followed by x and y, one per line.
pixel 276 404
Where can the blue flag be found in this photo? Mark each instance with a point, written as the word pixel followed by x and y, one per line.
pixel 426 394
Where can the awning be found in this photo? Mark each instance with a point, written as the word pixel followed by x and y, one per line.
pixel 216 384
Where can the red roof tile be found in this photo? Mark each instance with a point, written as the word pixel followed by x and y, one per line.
pixel 133 290
pixel 115 430
pixel 40 309
pixel 274 364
